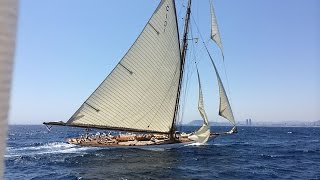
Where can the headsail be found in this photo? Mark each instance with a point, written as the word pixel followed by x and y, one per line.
pixel 215 35
pixel 140 93
pixel 202 135
pixel 224 107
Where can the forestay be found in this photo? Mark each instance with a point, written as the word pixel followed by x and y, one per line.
pixel 140 93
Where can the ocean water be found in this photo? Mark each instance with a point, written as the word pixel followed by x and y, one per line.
pixel 253 153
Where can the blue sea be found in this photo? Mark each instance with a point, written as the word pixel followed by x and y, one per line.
pixel 253 153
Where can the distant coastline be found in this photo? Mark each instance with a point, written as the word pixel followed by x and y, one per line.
pixel 259 124
pixel 254 124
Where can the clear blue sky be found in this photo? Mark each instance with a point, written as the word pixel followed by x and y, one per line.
pixel 66 48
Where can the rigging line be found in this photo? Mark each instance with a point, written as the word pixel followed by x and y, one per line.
pixel 180 18
pixel 198 57
pixel 202 39
pixel 183 97
pixel 190 73
pixel 199 34
pixel 186 82
pixel 183 57
pixel 188 63
pixel 183 104
pixel 224 66
pixel 186 87
pixel 225 70
pixel 180 9
pixel 215 70
pixel 225 73
pixel 192 52
pixel 230 99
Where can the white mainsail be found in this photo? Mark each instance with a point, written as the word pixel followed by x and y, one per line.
pixel 140 93
pixel 8 20
pixel 215 35
pixel 201 135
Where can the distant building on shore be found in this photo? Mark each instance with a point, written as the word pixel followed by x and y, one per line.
pixel 248 122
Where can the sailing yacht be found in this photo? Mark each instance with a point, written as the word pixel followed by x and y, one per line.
pixel 142 94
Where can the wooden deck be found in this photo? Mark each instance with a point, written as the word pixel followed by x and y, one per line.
pixel 127 140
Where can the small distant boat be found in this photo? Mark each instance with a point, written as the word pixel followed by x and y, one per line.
pixel 142 93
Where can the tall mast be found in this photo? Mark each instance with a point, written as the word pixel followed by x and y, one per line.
pixel 183 57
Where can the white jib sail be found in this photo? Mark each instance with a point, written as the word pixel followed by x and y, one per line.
pixel 140 93
pixel 224 106
pixel 201 135
pixel 215 35
pixel 8 19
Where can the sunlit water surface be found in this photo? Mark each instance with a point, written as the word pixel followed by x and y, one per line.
pixel 253 153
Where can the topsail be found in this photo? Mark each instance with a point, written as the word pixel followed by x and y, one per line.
pixel 140 93
pixel 215 35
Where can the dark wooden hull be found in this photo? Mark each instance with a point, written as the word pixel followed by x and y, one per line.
pixel 132 143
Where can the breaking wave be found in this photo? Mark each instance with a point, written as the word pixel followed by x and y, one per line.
pixel 49 148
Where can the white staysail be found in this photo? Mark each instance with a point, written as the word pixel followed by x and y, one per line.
pixel 8 20
pixel 224 107
pixel 140 93
pixel 215 35
pixel 201 135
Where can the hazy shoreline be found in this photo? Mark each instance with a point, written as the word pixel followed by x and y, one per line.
pixel 212 124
